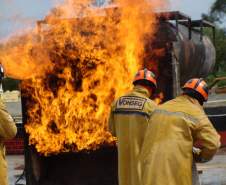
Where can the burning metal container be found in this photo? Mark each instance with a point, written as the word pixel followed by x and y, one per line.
pixel 175 49
pixel 83 168
pixel 72 168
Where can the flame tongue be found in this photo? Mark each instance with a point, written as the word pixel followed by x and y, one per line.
pixel 74 111
pixel 76 68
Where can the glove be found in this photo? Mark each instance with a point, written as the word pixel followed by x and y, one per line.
pixel 197 155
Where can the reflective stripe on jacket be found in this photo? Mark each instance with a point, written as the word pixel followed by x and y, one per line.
pixel 128 122
pixel 7 131
pixel 174 127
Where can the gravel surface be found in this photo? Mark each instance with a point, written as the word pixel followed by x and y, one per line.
pixel 15 169
pixel 214 172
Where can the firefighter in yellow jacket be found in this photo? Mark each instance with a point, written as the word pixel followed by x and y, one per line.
pixel 7 131
pixel 128 122
pixel 174 128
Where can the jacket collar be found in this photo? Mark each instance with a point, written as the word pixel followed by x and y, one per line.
pixel 142 90
pixel 192 100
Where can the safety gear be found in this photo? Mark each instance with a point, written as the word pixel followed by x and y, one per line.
pixel 199 86
pixel 128 122
pixel 174 127
pixel 145 77
pixel 7 131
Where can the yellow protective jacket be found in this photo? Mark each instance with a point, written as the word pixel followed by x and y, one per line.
pixel 174 127
pixel 7 131
pixel 128 122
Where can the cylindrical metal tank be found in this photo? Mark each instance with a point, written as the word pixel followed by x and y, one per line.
pixel 196 56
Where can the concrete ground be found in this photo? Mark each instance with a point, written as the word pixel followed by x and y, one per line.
pixel 15 169
pixel 213 172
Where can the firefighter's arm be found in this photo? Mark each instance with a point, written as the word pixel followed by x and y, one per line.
pixel 8 128
pixel 209 138
pixel 111 124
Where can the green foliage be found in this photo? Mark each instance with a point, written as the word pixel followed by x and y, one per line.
pixel 212 76
pixel 220 45
pixel 220 50
pixel 218 10
pixel 217 14
pixel 10 84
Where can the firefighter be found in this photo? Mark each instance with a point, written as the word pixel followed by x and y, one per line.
pixel 174 128
pixel 7 131
pixel 128 121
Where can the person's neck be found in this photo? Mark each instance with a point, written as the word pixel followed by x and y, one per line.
pixel 148 89
pixel 193 100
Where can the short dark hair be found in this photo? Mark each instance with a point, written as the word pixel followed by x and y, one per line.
pixel 145 83
pixel 194 94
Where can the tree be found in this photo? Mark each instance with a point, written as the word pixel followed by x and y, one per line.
pixel 218 10
pixel 217 15
pixel 220 44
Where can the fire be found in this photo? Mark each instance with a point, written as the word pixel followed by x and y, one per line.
pixel 22 58
pixel 159 99
pixel 80 60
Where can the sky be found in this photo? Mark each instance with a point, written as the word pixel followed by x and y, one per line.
pixel 16 15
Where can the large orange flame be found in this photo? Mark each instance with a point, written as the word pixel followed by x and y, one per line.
pixel 80 60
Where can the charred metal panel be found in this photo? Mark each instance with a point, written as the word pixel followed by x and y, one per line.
pixel 83 168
